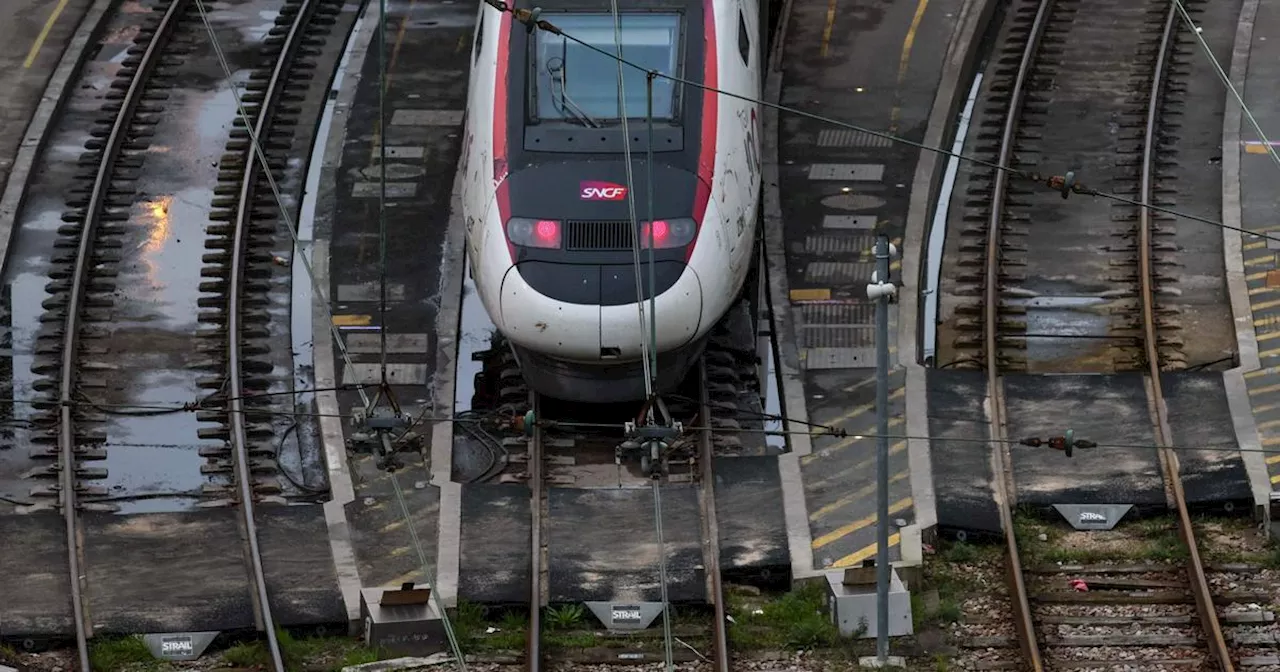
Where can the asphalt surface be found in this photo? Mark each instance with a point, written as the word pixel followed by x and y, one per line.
pixel 838 189
pixel 958 429
pixel 1259 202
pixel 32 39
pixel 427 64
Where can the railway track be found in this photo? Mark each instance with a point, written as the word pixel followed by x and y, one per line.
pixel 1118 318
pixel 85 294
pixel 554 455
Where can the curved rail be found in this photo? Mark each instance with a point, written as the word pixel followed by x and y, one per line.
pixel 239 252
pixel 70 338
pixel 1195 568
pixel 533 646
pixel 1017 585
pixel 719 634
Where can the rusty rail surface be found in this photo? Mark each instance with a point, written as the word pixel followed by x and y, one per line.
pixel 1214 639
pixel 1023 625
pixel 711 533
pixel 111 151
pixel 240 252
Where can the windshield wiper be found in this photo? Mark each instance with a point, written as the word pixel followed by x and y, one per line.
pixel 556 67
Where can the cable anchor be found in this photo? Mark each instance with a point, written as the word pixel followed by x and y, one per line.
pixel 372 426
pixel 1064 184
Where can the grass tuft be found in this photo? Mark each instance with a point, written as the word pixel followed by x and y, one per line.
pixel 795 620
pixel 114 654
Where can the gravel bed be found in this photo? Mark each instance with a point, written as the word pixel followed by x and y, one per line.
pixel 1123 655
pixel 1110 610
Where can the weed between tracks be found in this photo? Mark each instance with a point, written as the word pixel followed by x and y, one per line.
pixel 316 654
pixel 1141 540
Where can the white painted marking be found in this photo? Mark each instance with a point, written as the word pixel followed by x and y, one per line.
pixel 394 190
pixel 369 291
pixel 861 222
pixel 397 374
pixel 406 152
pixel 427 118
pixel 856 172
pixel 397 344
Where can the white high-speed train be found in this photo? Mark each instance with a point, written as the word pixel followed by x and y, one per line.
pixel 545 197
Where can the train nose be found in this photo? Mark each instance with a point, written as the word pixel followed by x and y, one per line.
pixel 596 333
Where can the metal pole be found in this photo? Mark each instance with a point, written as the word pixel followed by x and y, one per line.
pixel 882 453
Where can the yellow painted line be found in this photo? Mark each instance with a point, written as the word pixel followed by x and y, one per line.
pixel 857 557
pixel 1262 289
pixel 1271 441
pixel 1268 424
pixel 861 468
pixel 845 443
pixel 1256 149
pixel 831 22
pixel 810 294
pixel 860 493
pixel 44 34
pixel 1275 479
pixel 1264 306
pixel 352 320
pixel 1273 459
pixel 1269 335
pixel 1260 261
pixel 846 530
pixel 1265 408
pixel 903 61
pixel 1256 276
pixel 1259 373
pixel 1255 246
pixel 1264 390
pixel 859 410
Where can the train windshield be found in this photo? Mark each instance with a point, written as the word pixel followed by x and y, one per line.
pixel 579 85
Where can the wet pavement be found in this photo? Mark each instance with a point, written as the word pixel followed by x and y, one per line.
pixel 421 164
pixel 838 189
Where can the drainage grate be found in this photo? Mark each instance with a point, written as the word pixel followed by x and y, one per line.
pixel 589 234
pixel 857 172
pixel 838 313
pixel 856 246
pixel 837 272
pixel 844 137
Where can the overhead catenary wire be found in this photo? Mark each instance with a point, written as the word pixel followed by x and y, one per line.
pixel 1053 182
pixel 287 217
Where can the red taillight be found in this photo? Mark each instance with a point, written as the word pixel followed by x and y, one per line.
pixel 544 233
pixel 659 231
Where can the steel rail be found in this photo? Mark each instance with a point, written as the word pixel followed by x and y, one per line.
pixel 1195 568
pixel 1023 625
pixel 239 252
pixel 719 632
pixel 533 646
pixel 70 338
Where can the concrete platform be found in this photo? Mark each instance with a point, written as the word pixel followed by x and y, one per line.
pixel 301 579
pixel 833 189
pixel 1108 409
pixel 496 556
pixel 34 576
pixel 368 534
pixel 1199 416
pixel 603 545
pixel 1250 201
pixel 753 529
pixel 167 572
pixel 958 426
pixel 42 45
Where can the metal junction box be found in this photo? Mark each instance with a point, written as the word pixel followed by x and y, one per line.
pixel 851 600
pixel 402 620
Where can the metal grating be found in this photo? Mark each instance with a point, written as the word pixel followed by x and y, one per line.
pixel 844 137
pixel 856 245
pixel 839 336
pixel 598 234
pixel 837 272
pixel 838 313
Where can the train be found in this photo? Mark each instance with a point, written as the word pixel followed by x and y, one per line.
pixel 551 242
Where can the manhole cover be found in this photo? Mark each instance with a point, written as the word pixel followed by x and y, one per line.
pixel 853 202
